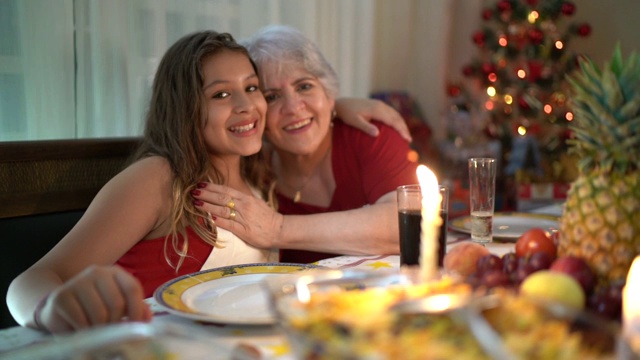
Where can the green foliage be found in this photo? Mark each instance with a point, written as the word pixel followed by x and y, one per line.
pixel 606 105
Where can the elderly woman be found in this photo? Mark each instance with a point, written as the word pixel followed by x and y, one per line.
pixel 333 186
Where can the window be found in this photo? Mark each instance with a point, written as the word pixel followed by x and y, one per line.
pixel 82 68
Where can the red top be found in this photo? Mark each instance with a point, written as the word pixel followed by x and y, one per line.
pixel 146 261
pixel 365 168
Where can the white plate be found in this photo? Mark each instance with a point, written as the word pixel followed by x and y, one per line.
pixel 510 225
pixel 228 295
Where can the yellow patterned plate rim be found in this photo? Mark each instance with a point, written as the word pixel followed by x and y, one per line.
pixel 225 295
pixel 510 225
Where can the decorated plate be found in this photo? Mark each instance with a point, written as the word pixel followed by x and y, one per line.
pixel 228 295
pixel 510 226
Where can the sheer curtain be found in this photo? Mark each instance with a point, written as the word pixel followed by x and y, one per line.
pixel 36 69
pixel 83 68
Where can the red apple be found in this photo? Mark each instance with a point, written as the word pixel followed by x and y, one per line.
pixel 578 269
pixel 533 241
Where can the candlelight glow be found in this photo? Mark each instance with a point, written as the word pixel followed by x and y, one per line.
pixel 431 220
pixel 631 304
pixel 428 181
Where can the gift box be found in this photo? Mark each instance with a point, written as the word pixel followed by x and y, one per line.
pixel 536 195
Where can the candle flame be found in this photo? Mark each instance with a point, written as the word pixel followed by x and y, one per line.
pixel 631 306
pixel 428 181
pixel 633 277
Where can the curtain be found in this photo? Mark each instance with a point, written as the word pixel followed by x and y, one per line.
pixel 36 70
pixel 84 68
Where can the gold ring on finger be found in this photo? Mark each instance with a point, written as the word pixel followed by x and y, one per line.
pixel 231 204
pixel 232 214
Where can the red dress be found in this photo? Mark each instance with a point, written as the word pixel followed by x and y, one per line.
pixel 365 168
pixel 146 261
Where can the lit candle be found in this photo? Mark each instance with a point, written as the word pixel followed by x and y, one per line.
pixel 631 306
pixel 431 222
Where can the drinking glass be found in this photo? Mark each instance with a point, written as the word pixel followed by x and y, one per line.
pixel 410 220
pixel 482 193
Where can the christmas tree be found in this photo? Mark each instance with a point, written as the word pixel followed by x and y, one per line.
pixel 515 89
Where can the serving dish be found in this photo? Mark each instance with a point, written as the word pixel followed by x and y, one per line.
pixel 355 315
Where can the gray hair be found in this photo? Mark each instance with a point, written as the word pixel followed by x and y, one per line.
pixel 281 45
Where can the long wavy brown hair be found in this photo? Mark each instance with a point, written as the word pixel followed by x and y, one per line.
pixel 173 129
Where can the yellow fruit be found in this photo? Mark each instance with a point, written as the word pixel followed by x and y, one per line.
pixel 547 285
pixel 601 218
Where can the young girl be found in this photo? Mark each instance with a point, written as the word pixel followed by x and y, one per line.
pixel 205 124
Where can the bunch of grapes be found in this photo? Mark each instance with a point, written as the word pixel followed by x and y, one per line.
pixel 534 251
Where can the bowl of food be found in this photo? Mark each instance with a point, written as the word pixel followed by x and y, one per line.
pixel 357 314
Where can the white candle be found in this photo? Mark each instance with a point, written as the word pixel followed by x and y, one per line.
pixel 431 222
pixel 631 306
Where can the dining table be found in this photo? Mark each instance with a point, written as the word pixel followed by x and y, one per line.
pixel 225 341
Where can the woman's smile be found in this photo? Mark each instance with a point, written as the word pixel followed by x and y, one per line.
pixel 297 125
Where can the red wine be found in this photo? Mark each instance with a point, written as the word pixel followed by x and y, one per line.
pixel 410 223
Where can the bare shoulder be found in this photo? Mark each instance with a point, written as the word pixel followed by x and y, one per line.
pixel 153 171
pixel 147 181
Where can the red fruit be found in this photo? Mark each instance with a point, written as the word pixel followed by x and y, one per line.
pixel 607 301
pixel 540 261
pixel 509 263
pixel 533 241
pixel 494 278
pixel 488 263
pixel 578 269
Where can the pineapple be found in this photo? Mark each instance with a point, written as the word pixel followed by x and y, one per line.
pixel 601 217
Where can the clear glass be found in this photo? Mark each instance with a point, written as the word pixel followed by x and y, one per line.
pixel 482 194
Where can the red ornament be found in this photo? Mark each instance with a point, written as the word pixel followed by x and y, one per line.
pixel 568 8
pixel 584 30
pixel 487 14
pixel 488 68
pixel 504 6
pixel 536 36
pixel 479 38
pixel 453 90
pixel 467 70
pixel 523 104
pixel 535 70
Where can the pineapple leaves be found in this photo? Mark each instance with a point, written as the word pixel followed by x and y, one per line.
pixel 606 105
pixel 616 60
pixel 630 109
pixel 612 93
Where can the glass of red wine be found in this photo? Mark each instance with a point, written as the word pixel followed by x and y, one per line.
pixel 409 221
